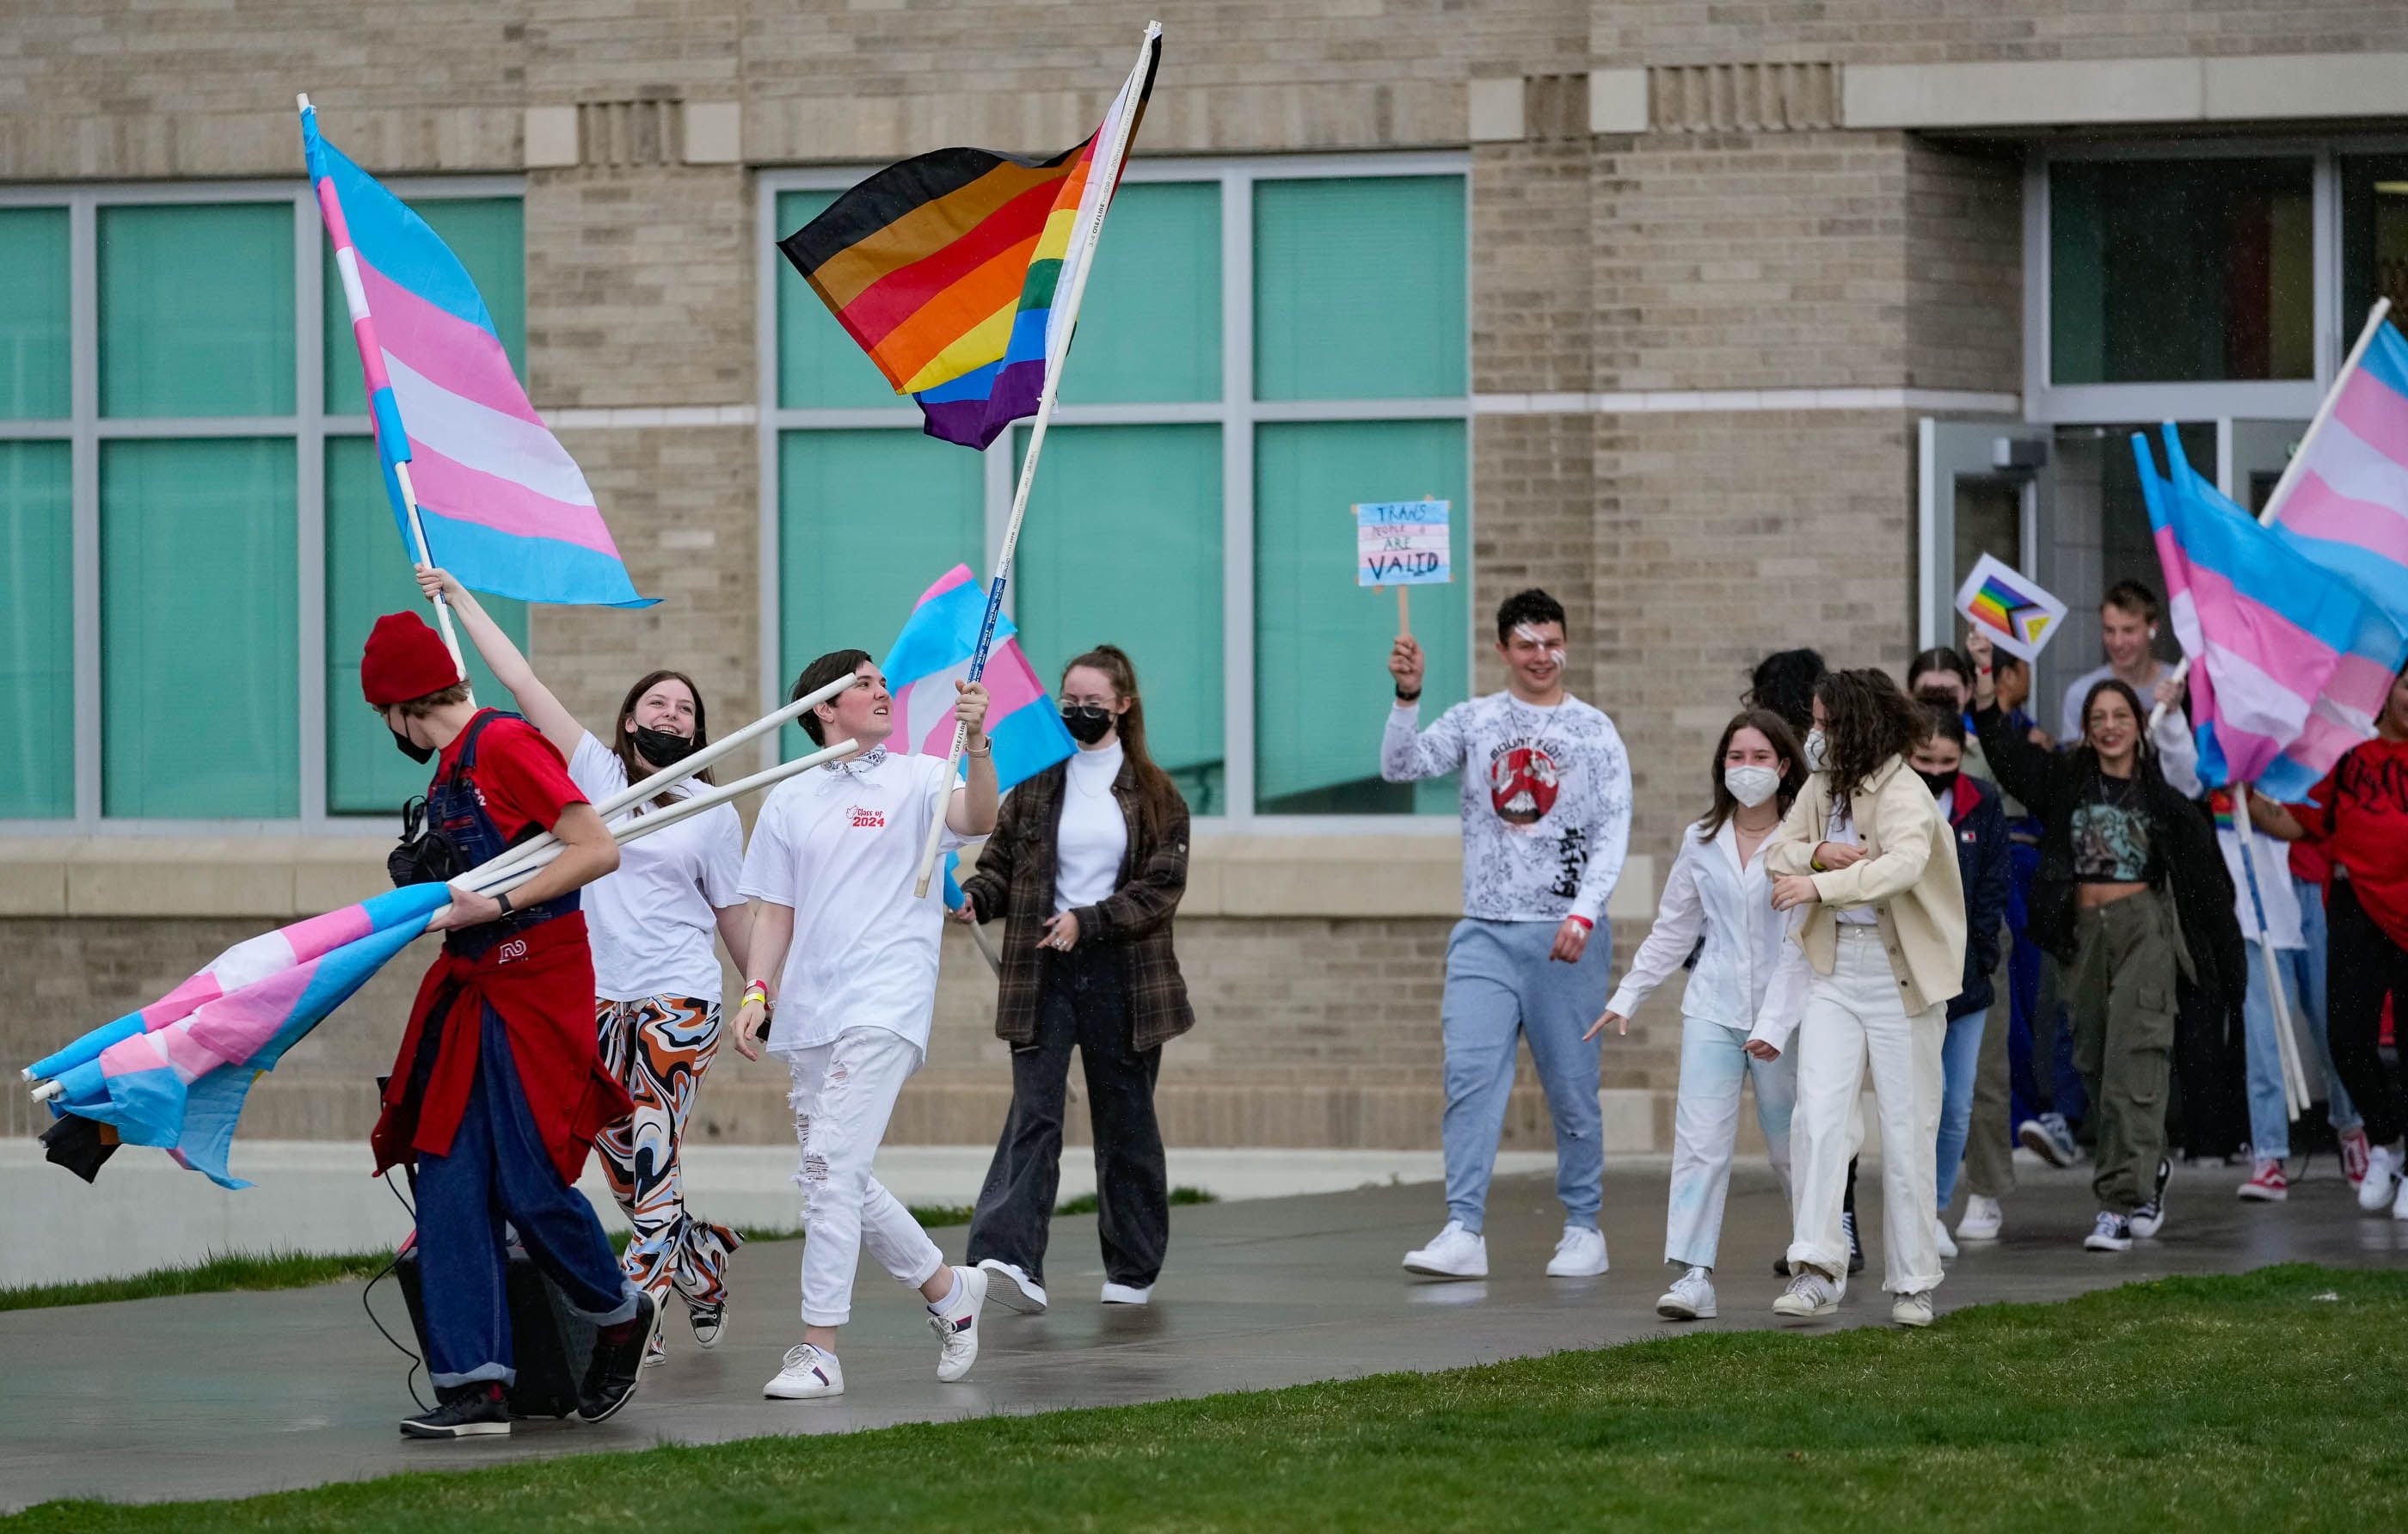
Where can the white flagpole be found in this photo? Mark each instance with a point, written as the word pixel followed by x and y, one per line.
pixel 1083 242
pixel 357 303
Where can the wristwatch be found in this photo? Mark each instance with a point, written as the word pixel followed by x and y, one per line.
pixel 503 902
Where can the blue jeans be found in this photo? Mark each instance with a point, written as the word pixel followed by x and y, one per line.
pixel 2269 1114
pixel 1960 1055
pixel 1501 987
pixel 495 1170
pixel 1705 1129
pixel 2306 967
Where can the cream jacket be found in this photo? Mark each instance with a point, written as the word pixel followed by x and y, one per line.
pixel 1907 875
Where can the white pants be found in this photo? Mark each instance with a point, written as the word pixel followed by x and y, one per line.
pixel 1705 1129
pixel 844 1092
pixel 1854 1015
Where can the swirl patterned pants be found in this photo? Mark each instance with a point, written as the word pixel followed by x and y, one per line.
pixel 658 1047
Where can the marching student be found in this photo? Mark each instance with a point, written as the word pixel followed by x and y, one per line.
pixel 2130 892
pixel 1978 824
pixel 2264 903
pixel 656 981
pixel 1865 852
pixel 498 1088
pixel 1546 820
pixel 1717 906
pixel 2360 814
pixel 2128 625
pixel 1086 867
pixel 848 957
pixel 2311 873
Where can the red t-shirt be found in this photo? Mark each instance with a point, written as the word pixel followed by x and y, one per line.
pixel 519 773
pixel 2362 815
pixel 2309 862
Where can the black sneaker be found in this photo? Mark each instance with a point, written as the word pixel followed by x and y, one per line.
pixel 708 1322
pixel 2150 1218
pixel 1855 1242
pixel 618 1362
pixel 469 1411
pixel 1781 1266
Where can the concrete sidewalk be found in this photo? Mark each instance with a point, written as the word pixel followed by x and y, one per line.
pixel 228 1395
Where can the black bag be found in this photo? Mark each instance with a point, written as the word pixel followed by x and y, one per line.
pixel 425 856
pixel 551 1341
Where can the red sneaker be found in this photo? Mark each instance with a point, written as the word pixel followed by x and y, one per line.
pixel 2353 1154
pixel 2267 1184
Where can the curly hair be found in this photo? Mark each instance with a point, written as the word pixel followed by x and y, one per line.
pixel 1868 721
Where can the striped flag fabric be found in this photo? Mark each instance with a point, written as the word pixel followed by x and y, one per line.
pixel 504 506
pixel 934 652
pixel 945 268
pixel 2279 650
pixel 174 1073
pixel 2347 508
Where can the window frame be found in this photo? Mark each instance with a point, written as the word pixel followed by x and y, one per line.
pixel 309 427
pixel 1236 412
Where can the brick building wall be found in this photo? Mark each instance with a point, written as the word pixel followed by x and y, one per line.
pixel 1748 240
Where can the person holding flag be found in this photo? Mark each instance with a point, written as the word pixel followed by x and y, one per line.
pixel 846 955
pixel 498 1088
pixel 1086 868
pixel 657 980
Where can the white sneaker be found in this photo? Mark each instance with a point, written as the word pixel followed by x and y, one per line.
pixel 2400 1205
pixel 1939 1236
pixel 1690 1299
pixel 1982 1218
pixel 1453 1252
pixel 956 1329
pixel 1017 1292
pixel 1580 1254
pixel 2382 1177
pixel 1127 1294
pixel 808 1373
pixel 1911 1309
pixel 1810 1293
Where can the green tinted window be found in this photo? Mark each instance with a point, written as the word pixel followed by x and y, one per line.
pixel 36 630
pixel 868 521
pixel 1318 636
pixel 1359 288
pixel 819 365
pixel 198 643
pixel 1150 322
pixel 367 574
pixel 197 310
pixel 1123 546
pixel 489 236
pixel 33 313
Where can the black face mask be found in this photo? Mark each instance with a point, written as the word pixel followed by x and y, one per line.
pixel 1088 723
pixel 411 748
pixel 1940 784
pixel 661 748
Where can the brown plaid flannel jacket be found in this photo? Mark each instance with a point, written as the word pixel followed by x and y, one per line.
pixel 1015 879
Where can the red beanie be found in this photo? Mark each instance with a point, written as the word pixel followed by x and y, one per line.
pixel 404 660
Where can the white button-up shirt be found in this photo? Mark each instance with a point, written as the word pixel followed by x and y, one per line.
pixel 1711 895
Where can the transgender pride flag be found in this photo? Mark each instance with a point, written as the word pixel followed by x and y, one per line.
pixel 174 1073
pixel 503 504
pixel 2348 506
pixel 2280 650
pixel 934 652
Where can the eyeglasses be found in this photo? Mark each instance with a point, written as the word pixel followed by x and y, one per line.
pixel 1081 708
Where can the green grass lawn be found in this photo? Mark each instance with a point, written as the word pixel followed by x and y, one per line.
pixel 296 1270
pixel 2271 1401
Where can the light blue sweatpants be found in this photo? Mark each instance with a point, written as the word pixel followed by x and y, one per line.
pixel 1502 986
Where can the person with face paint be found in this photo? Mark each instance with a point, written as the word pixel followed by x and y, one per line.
pixel 2133 896
pixel 1717 905
pixel 1984 868
pixel 657 979
pixel 1546 820
pixel 1086 867
pixel 2127 626
pixel 1865 853
pixel 498 1088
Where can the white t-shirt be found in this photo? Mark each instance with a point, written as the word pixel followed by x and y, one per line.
pixel 652 922
pixel 1840 828
pixel 1093 837
pixel 841 845
pixel 2079 689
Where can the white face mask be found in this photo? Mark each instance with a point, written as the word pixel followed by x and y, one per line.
pixel 1817 758
pixel 1751 785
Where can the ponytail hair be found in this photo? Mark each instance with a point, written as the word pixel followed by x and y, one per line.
pixel 1158 796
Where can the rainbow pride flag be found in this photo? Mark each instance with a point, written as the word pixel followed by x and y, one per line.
pixel 505 508
pixel 174 1073
pixel 945 268
pixel 2011 611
